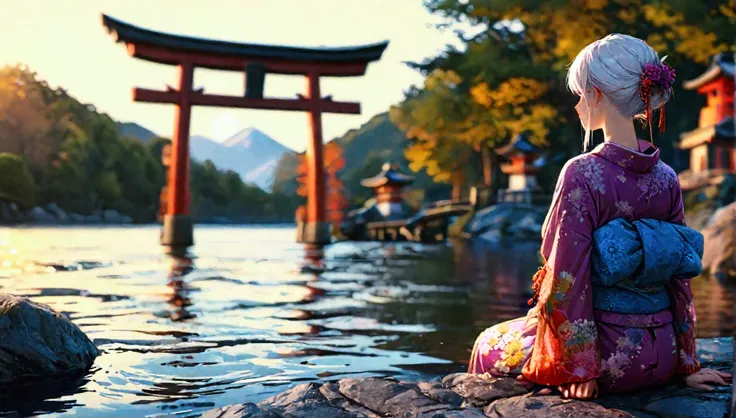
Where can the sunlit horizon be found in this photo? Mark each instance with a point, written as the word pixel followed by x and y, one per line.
pixel 66 44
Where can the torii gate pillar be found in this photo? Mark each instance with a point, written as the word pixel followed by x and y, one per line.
pixel 178 228
pixel 316 229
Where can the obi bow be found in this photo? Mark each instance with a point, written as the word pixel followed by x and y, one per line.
pixel 645 253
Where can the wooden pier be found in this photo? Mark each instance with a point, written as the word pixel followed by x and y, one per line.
pixel 430 225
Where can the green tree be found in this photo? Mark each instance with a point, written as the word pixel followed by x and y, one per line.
pixel 16 182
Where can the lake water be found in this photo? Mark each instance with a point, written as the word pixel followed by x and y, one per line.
pixel 253 312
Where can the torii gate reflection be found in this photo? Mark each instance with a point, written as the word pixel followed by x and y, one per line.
pixel 188 53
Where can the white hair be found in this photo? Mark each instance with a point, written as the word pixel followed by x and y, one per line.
pixel 614 65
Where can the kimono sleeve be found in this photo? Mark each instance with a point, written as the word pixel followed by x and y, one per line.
pixel 681 304
pixel 566 348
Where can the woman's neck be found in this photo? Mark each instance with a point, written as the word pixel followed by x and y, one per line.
pixel 620 130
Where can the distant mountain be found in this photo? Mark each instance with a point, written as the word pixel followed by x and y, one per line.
pixel 202 148
pixel 250 153
pixel 263 176
pixel 133 130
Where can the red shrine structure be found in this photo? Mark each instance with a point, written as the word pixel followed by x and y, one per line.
pixel 254 61
pixel 712 146
pixel 387 186
pixel 521 155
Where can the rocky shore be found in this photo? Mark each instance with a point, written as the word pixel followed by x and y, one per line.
pixel 54 215
pixel 462 395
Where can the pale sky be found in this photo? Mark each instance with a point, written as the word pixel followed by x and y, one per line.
pixel 66 44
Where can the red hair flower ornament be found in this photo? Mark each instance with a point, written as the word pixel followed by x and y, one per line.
pixel 655 76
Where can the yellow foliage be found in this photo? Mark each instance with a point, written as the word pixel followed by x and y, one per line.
pixel 594 5
pixel 627 16
pixel 481 94
pixel 661 16
pixel 690 40
pixel 442 78
pixel 657 42
pixel 728 10
pixel 512 92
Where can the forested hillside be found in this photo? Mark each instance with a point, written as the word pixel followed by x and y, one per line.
pixel 57 150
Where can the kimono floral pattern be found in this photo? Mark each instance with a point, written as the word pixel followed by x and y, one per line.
pixel 592 171
pixel 684 325
pixel 624 209
pixel 628 348
pixel 568 340
pixel 657 181
pixel 503 349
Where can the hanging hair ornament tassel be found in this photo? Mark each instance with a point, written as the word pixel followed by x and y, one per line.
pixel 655 76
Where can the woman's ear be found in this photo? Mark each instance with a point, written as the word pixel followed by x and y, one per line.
pixel 598 95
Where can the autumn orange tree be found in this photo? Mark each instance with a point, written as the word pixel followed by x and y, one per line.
pixel 336 201
pixel 25 124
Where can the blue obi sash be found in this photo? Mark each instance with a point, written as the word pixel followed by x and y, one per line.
pixel 633 261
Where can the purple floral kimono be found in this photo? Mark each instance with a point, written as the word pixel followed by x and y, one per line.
pixel 565 338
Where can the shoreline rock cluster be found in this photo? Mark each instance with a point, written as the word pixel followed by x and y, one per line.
pixel 54 215
pixel 463 395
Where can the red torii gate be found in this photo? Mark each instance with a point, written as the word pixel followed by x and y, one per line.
pixel 188 53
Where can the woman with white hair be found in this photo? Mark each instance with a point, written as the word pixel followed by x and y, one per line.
pixel 613 301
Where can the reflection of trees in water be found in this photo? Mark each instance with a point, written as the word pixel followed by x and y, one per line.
pixel 714 307
pixel 500 277
pixel 458 291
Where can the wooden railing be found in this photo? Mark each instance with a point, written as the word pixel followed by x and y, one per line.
pixel 481 198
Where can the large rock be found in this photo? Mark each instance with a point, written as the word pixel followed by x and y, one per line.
pixel 480 390
pixel 388 397
pixel 76 218
pixel 246 410
pixel 463 395
pixel 37 342
pixel 515 220
pixel 55 210
pixel 719 255
pixel 5 214
pixel 549 407
pixel 94 218
pixel 111 216
pixel 41 216
pixel 305 400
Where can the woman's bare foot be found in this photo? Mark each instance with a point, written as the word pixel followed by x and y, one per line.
pixel 580 390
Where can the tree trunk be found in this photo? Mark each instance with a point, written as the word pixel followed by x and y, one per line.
pixel 487 165
pixel 457 185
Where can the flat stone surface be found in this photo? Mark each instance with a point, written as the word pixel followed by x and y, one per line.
pixel 480 390
pixel 307 401
pixel 549 406
pixel 688 406
pixel 388 397
pixel 247 410
pixel 37 342
pixel 473 396
pixel 331 392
